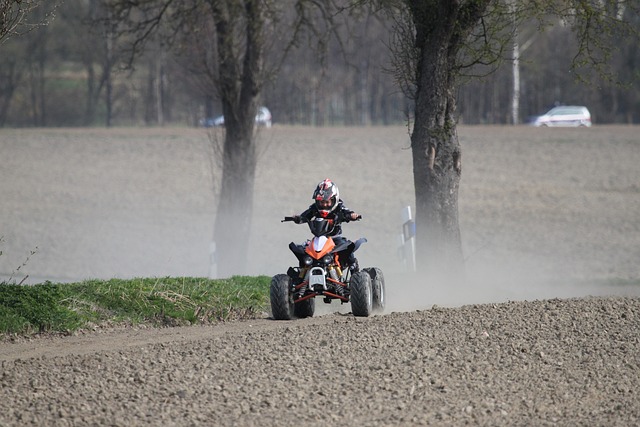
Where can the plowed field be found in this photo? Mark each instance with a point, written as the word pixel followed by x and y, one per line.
pixel 544 333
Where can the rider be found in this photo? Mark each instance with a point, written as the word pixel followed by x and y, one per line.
pixel 328 205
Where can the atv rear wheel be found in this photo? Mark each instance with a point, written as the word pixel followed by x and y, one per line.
pixel 305 308
pixel 281 298
pixel 377 287
pixel 361 294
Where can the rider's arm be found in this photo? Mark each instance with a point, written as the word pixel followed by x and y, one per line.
pixel 307 215
pixel 347 215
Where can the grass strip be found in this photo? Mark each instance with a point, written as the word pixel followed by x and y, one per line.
pixel 169 301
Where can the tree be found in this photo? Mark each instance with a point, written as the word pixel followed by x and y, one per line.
pixel 231 59
pixel 11 76
pixel 95 44
pixel 15 20
pixel 436 41
pixel 15 15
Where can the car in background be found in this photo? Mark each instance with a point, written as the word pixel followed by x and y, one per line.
pixel 263 118
pixel 565 116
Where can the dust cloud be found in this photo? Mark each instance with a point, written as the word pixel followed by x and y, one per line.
pixel 544 213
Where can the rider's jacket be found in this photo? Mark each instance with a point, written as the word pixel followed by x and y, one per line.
pixel 338 215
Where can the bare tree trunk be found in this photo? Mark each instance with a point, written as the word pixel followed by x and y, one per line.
pixel 515 100
pixel 109 98
pixel 437 166
pixel 159 87
pixel 241 78
pixel 235 204
pixel 440 31
pixel 37 64
pixel 11 76
pixel 109 41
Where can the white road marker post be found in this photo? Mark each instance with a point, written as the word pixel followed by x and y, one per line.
pixel 408 240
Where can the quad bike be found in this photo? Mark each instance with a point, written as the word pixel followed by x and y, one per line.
pixel 324 270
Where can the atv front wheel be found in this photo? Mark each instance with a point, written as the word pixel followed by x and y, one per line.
pixel 377 286
pixel 304 308
pixel 361 294
pixel 281 298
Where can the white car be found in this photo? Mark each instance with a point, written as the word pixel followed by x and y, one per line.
pixel 566 115
pixel 263 118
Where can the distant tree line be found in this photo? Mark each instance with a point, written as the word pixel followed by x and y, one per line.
pixel 74 72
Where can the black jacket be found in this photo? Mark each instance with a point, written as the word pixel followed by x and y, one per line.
pixel 338 215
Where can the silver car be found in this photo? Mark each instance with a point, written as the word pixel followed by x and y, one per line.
pixel 566 115
pixel 263 118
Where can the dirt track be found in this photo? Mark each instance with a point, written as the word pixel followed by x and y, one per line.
pixel 557 362
pixel 544 215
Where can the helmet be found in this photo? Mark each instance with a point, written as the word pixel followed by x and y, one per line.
pixel 326 197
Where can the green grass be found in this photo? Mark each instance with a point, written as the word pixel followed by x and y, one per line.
pixel 67 307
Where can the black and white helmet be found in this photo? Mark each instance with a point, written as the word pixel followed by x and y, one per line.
pixel 326 197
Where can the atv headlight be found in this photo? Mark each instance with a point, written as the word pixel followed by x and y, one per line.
pixel 327 259
pixel 308 260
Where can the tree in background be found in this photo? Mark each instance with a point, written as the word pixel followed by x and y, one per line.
pixel 227 41
pixel 348 84
pixel 436 41
pixel 13 17
pixel 18 17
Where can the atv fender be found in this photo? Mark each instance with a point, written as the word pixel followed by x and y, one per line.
pixel 358 242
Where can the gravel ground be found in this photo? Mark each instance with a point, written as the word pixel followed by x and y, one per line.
pixel 553 362
pixel 545 332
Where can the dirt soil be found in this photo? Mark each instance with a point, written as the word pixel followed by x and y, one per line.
pixel 544 333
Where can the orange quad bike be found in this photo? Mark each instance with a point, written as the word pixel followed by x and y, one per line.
pixel 324 270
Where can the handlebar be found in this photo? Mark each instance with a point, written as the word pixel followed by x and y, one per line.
pixel 303 219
